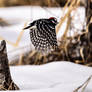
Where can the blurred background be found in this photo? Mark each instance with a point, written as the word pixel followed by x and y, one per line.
pixel 74 36
pixel 52 3
pixel 16 14
pixel 4 3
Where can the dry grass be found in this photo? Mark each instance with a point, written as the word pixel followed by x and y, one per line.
pixel 65 47
pixel 65 42
pixel 18 39
pixel 4 3
pixel 84 85
pixel 12 86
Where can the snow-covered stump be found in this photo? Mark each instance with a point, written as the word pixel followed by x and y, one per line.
pixel 6 82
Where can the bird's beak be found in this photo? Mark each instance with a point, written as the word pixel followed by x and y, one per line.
pixel 26 27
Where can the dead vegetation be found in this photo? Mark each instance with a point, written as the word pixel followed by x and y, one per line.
pixel 76 49
pixel 6 82
pixel 54 3
pixel 83 86
pixel 3 22
pixel 3 3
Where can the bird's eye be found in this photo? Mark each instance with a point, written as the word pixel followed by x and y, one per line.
pixel 55 19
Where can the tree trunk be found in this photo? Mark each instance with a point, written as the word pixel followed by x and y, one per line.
pixel 6 82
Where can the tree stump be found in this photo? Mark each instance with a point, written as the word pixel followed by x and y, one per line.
pixel 6 82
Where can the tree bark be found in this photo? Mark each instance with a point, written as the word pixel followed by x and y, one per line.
pixel 6 82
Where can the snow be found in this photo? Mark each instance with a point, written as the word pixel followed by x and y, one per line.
pixel 52 77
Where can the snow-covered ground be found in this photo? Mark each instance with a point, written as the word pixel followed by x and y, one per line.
pixel 52 77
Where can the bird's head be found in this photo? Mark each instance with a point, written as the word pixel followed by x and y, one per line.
pixel 32 25
pixel 53 20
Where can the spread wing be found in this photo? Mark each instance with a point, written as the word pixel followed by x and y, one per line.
pixel 48 31
pixel 44 37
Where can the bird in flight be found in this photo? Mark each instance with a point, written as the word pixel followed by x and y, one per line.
pixel 43 34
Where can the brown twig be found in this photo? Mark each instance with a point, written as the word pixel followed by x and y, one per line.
pixel 84 85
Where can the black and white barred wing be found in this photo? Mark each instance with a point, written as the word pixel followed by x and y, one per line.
pixel 38 40
pixel 50 33
pixel 43 37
